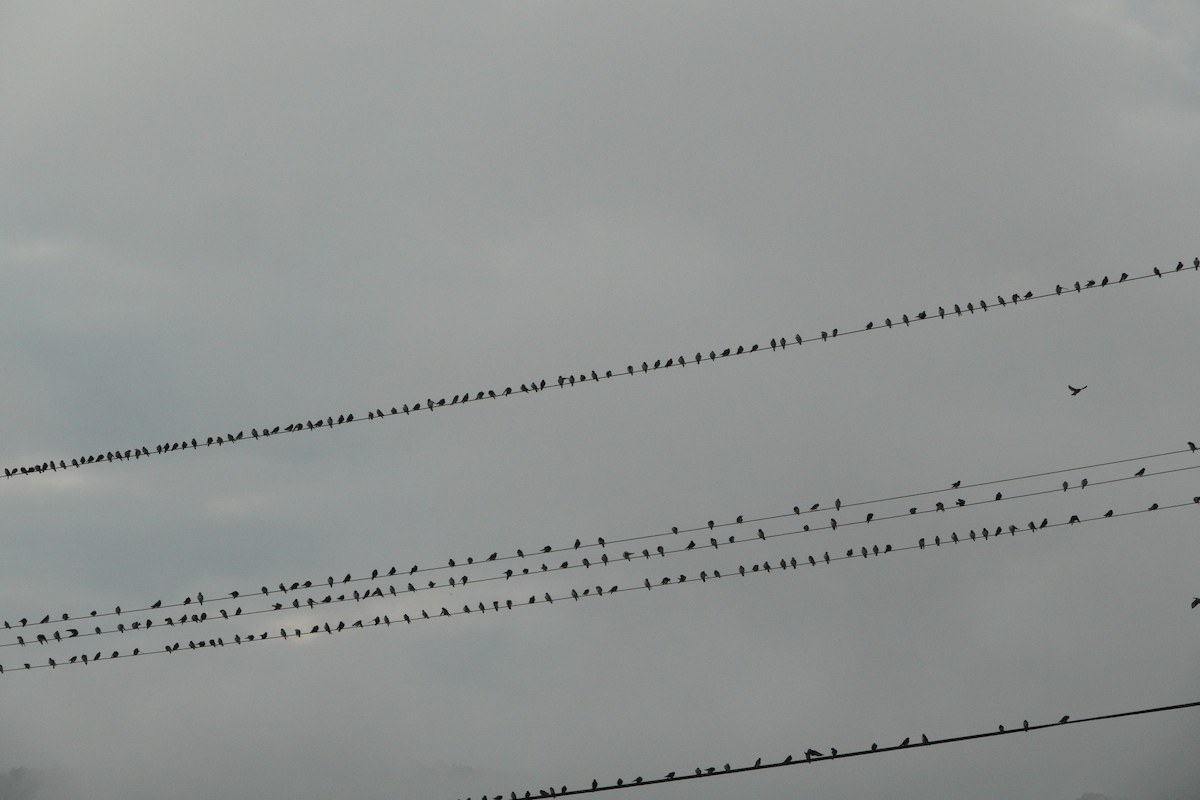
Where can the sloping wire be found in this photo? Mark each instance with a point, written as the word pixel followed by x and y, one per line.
pixel 780 344
pixel 812 756
pixel 196 608
pixel 755 569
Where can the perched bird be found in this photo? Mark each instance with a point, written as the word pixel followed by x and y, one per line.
pixel 1195 602
pixel 1075 391
pixel 1063 720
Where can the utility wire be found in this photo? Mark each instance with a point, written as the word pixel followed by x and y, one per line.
pixel 811 756
pixel 647 584
pixel 564 381
pixel 298 586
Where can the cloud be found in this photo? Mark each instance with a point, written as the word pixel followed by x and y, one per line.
pixel 23 783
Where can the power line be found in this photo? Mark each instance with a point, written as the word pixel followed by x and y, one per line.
pixel 563 381
pixel 812 756
pixel 300 586
pixel 574 594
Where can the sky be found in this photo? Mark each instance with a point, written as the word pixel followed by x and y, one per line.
pixel 218 217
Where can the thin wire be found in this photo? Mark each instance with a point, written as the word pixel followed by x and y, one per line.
pixel 328 421
pixel 647 584
pixel 814 756
pixel 626 556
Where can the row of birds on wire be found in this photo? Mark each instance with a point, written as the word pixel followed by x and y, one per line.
pixel 601 542
pixel 575 594
pixel 520 555
pixel 564 381
pixel 811 754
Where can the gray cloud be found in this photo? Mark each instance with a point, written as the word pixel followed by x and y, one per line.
pixel 216 217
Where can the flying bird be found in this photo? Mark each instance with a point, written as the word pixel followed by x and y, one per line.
pixel 1075 391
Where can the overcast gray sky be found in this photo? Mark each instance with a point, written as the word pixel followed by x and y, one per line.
pixel 219 216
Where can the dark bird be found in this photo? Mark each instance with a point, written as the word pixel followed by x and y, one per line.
pixel 1025 724
pixel 1140 472
pixel 1063 720
pixel 1195 602
pixel 1075 391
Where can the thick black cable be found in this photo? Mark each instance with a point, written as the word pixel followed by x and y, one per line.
pixel 812 756
pixel 297 586
pixel 647 585
pixel 328 421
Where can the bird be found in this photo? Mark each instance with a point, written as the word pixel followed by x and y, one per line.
pixel 1063 720
pixel 1075 391
pixel 1195 602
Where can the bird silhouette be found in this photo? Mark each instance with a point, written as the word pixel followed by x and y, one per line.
pixel 1075 391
